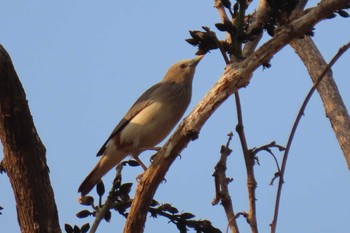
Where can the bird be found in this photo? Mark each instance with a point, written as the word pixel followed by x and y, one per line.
pixel 149 120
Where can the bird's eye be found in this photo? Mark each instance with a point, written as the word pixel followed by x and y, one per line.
pixel 182 66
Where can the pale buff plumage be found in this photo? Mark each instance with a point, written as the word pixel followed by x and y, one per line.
pixel 148 121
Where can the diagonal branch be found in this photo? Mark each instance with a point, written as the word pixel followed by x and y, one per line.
pixel 332 101
pixel 341 51
pixel 235 76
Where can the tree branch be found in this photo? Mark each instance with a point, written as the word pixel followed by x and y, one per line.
pixel 341 51
pixel 221 186
pixel 235 76
pixel 24 156
pixel 224 18
pixel 249 163
pixel 102 210
pixel 259 19
pixel 332 101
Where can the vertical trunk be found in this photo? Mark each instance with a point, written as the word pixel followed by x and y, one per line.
pixel 24 156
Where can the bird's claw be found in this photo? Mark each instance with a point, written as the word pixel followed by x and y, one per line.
pixel 139 177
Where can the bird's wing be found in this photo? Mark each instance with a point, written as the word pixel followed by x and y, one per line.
pixel 141 103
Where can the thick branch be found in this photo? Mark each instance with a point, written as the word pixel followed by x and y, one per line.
pixel 332 101
pixel 24 156
pixel 235 77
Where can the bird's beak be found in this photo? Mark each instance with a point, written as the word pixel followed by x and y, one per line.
pixel 196 60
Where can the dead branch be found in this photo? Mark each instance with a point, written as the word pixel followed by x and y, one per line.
pixel 332 101
pixel 341 51
pixel 249 159
pixel 221 186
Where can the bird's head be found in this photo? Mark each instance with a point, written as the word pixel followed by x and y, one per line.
pixel 183 70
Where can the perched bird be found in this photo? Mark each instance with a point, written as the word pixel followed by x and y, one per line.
pixel 150 119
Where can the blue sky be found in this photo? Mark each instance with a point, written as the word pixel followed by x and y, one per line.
pixel 84 63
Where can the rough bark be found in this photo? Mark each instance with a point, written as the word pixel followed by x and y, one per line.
pixel 24 156
pixel 235 77
pixel 332 101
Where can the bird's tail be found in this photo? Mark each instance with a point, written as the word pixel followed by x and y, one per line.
pixel 106 163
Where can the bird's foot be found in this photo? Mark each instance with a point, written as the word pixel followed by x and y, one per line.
pixel 136 157
pixel 139 177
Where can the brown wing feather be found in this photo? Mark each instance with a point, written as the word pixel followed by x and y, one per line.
pixel 142 102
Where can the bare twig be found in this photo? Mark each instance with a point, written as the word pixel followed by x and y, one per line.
pixel 221 186
pixel 341 51
pixel 249 162
pixel 259 19
pixel 267 149
pixel 101 211
pixel 268 146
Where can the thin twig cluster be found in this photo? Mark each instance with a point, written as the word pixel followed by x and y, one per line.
pixel 119 200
